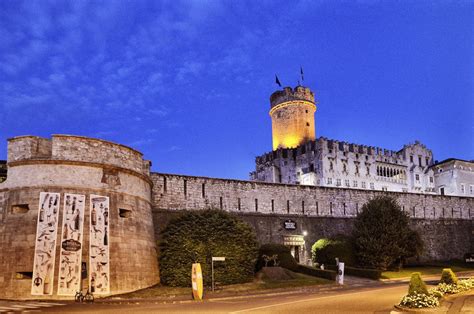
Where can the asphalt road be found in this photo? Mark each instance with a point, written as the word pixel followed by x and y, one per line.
pixel 362 300
pixel 378 299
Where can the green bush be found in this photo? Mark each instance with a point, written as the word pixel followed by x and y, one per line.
pixel 417 285
pixel 448 277
pixel 420 300
pixel 199 235
pixel 316 272
pixel 325 251
pixel 285 259
pixel 382 236
pixel 359 272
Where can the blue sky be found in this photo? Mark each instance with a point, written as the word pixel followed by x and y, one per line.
pixel 188 82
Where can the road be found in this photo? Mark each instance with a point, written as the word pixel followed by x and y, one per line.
pixel 378 299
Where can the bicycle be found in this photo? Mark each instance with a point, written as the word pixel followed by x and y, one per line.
pixel 80 297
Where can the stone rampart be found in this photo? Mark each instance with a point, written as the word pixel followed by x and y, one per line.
pixel 445 223
pixel 175 192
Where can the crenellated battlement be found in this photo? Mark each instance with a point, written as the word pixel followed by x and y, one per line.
pixel 76 149
pixel 290 94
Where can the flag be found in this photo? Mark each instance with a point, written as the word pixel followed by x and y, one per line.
pixel 302 75
pixel 277 80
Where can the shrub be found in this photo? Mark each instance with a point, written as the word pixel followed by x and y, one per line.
pixel 417 285
pixel 448 277
pixel 325 251
pixel 316 272
pixel 196 237
pixel 285 259
pixel 382 235
pixel 419 300
pixel 359 272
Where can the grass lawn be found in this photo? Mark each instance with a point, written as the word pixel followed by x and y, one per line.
pixel 424 270
pixel 158 291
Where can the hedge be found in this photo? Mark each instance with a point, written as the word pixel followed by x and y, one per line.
pixel 200 235
pixel 316 272
pixel 359 272
pixel 325 250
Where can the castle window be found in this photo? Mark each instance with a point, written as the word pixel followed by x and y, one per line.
pixel 288 206
pixel 431 179
pixel 427 160
pixel 355 183
pixel 256 204
pixel 344 208
pixel 344 167
pixel 357 156
pixel 338 182
pixel 20 208
pixel 411 158
pixel 368 170
pixel 330 208
pixel 471 189
pixel 164 185
pixel 185 188
pixel 125 213
pixel 363 185
pixel 329 181
pixel 317 208
pixel 221 205
pixel 330 151
pixel 203 192
pixel 331 166
pixel 419 161
pixel 366 157
pixel 273 206
pixel 307 123
pixel 372 187
pixel 346 182
pixel 302 206
pixel 463 189
pixel 306 111
pixel 357 170
pixel 417 177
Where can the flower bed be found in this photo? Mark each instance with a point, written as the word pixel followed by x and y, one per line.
pixel 420 297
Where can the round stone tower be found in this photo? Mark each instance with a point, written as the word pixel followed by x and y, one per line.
pixel 292 112
pixel 75 211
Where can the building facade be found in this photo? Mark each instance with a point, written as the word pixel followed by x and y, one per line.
pixel 298 158
pixel 454 177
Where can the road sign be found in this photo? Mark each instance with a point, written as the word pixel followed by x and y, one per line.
pixel 218 259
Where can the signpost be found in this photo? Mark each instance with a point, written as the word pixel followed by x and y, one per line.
pixel 215 259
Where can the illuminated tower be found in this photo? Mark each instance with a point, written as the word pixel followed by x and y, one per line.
pixel 292 112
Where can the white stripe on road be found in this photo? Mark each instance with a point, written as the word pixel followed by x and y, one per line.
pixel 306 300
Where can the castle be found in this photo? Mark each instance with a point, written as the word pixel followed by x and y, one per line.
pixel 299 158
pixel 77 210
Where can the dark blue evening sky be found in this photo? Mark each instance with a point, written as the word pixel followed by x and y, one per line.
pixel 188 82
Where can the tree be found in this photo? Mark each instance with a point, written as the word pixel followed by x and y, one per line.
pixel 325 251
pixel 196 237
pixel 382 235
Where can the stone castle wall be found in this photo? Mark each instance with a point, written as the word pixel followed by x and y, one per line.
pixel 445 223
pixel 77 165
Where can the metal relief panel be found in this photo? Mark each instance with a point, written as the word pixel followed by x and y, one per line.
pixel 99 245
pixel 45 247
pixel 71 244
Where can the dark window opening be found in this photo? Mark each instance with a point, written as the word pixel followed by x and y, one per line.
pixel 256 205
pixel 288 207
pixel 185 188
pixel 317 208
pixel 220 203
pixel 307 123
pixel 344 205
pixel 330 208
pixel 238 203
pixel 20 208
pixel 24 275
pixel 302 206
pixel 273 205
pixel 165 185
pixel 203 190
pixel 125 213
